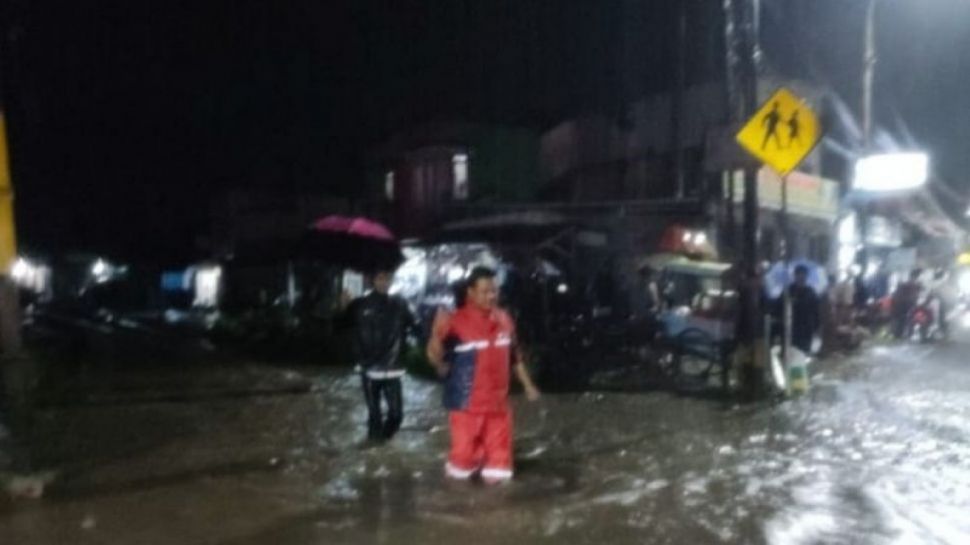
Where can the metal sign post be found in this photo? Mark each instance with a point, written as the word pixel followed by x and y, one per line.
pixel 786 317
pixel 781 134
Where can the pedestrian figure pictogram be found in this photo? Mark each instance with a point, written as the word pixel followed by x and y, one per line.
pixel 770 122
pixel 793 129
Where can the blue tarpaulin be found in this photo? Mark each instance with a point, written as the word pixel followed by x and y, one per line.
pixel 176 281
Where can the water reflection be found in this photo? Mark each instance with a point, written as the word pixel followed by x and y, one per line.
pixel 878 452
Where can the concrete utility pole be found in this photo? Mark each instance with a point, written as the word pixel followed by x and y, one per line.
pixel 868 73
pixel 741 35
pixel 14 368
pixel 868 76
pixel 677 109
pixel 10 343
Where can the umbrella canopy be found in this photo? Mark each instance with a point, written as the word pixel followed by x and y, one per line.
pixel 779 276
pixel 355 243
pixel 674 263
pixel 661 260
pixel 523 228
pixel 354 227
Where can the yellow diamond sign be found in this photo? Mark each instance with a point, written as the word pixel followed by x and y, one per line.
pixel 782 132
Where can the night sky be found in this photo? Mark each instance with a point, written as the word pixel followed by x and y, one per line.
pixel 126 118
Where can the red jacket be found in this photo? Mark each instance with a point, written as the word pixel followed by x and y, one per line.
pixel 478 347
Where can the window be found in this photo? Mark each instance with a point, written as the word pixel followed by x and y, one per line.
pixel 459 169
pixel 389 185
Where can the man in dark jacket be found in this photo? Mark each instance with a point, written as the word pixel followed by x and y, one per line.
pixel 381 325
pixel 805 312
pixel 805 305
pixel 904 300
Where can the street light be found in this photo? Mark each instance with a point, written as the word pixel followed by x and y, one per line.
pixel 868 73
pixel 889 172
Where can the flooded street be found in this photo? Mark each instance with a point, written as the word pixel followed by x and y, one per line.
pixel 232 232
pixel 878 452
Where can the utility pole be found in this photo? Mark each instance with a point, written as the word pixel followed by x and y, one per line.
pixel 10 342
pixel 677 102
pixel 14 368
pixel 868 76
pixel 743 57
pixel 868 73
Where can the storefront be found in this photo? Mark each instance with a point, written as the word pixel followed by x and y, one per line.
pixel 813 208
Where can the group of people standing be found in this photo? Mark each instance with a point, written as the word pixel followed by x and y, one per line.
pixel 873 301
pixel 836 313
pixel 473 349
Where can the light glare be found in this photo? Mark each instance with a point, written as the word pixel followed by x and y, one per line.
pixel 891 172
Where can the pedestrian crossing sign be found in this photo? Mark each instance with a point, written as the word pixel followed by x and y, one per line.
pixel 782 132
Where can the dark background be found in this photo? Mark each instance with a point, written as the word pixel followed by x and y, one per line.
pixel 127 117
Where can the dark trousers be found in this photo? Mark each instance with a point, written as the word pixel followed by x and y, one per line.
pixel 388 390
pixel 802 341
pixel 901 314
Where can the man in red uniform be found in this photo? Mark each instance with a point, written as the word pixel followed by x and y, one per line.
pixel 474 349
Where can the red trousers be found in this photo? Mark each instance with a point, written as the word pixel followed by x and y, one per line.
pixel 480 441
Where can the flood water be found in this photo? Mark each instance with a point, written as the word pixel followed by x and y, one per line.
pixel 877 453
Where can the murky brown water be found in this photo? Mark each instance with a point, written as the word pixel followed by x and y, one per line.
pixel 879 452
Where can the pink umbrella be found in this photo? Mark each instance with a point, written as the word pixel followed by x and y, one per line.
pixel 357 243
pixel 361 227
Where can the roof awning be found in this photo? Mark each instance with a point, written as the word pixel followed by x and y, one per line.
pixel 527 227
pixel 924 213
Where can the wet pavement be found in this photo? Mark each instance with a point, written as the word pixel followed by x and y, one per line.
pixel 878 452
